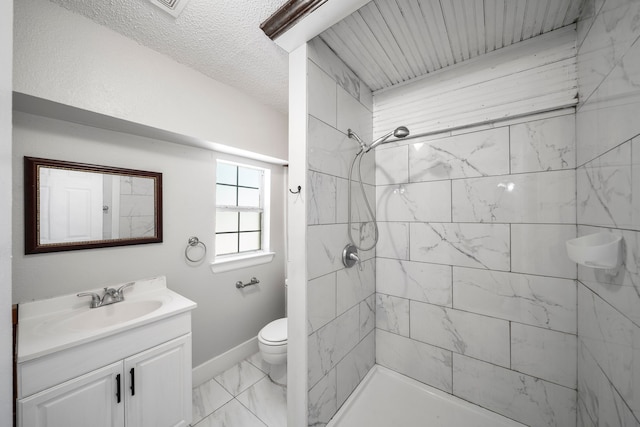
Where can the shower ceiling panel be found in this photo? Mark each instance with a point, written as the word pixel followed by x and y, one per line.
pixel 388 42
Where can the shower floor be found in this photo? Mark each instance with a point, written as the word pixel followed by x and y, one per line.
pixel 385 398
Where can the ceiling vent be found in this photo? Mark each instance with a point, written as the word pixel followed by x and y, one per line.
pixel 173 7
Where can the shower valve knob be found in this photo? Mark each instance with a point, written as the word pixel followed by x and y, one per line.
pixel 350 256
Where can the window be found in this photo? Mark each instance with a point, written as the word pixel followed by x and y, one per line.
pixel 241 204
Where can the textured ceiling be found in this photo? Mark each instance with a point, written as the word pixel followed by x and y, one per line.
pixel 220 38
pixel 387 42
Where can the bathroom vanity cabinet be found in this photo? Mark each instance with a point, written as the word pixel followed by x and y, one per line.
pixel 136 373
pixel 151 388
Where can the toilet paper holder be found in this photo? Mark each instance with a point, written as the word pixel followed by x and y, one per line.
pixel 241 285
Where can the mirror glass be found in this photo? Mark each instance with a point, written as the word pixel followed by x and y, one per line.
pixel 72 206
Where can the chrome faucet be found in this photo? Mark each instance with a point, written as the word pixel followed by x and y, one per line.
pixel 111 296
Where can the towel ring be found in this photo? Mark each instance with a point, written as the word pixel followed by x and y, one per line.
pixel 194 241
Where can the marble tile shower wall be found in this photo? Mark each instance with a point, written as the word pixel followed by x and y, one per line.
pixel 340 308
pixel 608 185
pixel 475 293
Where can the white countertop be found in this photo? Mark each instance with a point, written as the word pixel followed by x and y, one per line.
pixel 41 324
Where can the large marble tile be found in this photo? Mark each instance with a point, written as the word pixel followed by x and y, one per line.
pixel 599 403
pixel 415 359
pixel 355 284
pixel 392 165
pixel 543 145
pixel 469 245
pixel 322 95
pixel 207 398
pixel 547 302
pixel 548 197
pixel 132 205
pixel 268 401
pixel 329 344
pixel 605 190
pixel 359 211
pixel 355 365
pixel 392 314
pixel 326 59
pixel 367 315
pixel 323 400
pixel 608 118
pixel 474 154
pixel 529 400
pixel 612 32
pixel 541 249
pixel 620 287
pixel 277 373
pixel 330 151
pixel 321 201
pixel 482 337
pixel 610 338
pixel 239 377
pixel 321 301
pixel 545 354
pixel 422 201
pixel 324 248
pixel 353 115
pixel 232 414
pixel 394 240
pixel 417 281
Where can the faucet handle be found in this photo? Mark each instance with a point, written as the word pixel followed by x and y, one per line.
pixel 123 287
pixel 95 298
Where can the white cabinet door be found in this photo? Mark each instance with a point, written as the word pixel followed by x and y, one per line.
pixel 92 400
pixel 158 385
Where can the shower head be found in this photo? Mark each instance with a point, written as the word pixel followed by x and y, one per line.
pixel 399 132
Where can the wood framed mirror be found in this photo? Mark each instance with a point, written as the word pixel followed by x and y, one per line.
pixel 72 206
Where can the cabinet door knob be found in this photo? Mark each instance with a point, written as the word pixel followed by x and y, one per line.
pixel 133 381
pixel 118 388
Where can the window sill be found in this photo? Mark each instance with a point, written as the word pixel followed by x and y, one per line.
pixel 237 262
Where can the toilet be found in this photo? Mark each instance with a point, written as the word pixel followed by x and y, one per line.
pixel 272 339
pixel 272 342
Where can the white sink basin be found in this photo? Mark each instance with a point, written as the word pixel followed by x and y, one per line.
pixel 58 323
pixel 109 315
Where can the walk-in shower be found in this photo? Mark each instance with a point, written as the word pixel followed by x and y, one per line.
pixel 350 252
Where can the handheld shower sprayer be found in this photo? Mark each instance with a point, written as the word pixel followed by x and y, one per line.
pixel 399 132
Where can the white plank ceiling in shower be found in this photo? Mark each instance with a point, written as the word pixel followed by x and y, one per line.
pixel 388 42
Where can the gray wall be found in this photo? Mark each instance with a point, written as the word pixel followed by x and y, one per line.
pixel 339 300
pixel 6 47
pixel 225 316
pixel 608 183
pixel 475 294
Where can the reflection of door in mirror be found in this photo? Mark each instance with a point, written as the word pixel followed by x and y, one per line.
pixel 70 206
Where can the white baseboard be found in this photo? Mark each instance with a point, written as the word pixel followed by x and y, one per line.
pixel 212 367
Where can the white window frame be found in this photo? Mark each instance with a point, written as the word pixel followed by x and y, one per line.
pixel 227 262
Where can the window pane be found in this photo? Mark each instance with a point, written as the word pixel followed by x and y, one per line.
pixel 249 241
pixel 226 174
pixel 226 243
pixel 226 221
pixel 249 177
pixel 250 221
pixel 249 197
pixel 225 195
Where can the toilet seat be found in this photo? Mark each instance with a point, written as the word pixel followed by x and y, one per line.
pixel 275 333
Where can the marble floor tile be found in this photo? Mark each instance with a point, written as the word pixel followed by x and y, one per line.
pixel 233 414
pixel 277 373
pixel 207 398
pixel 268 401
pixel 239 377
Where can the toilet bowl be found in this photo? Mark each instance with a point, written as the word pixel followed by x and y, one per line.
pixel 272 342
